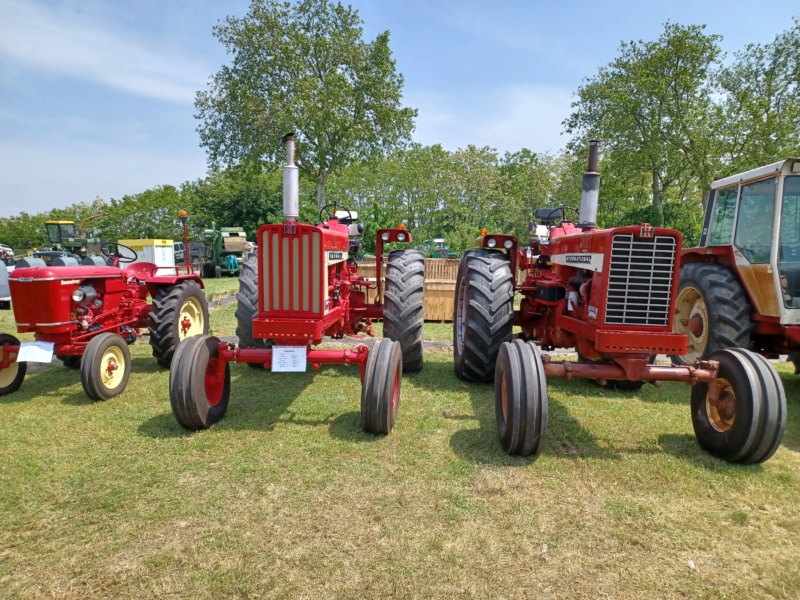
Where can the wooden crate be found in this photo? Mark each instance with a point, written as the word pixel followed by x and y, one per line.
pixel 440 286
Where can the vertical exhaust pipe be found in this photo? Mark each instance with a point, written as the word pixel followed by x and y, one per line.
pixel 291 181
pixel 590 191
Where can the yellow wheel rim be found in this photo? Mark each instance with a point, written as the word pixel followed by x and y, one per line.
pixel 722 413
pixel 8 375
pixel 691 318
pixel 191 319
pixel 112 368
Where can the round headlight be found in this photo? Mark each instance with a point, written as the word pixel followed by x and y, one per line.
pixel 385 236
pixel 78 295
pixel 401 237
pixel 491 242
pixel 508 244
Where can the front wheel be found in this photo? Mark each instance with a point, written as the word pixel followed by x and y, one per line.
pixel 106 367
pixel 11 377
pixel 199 386
pixel 380 392
pixel 520 392
pixel 745 424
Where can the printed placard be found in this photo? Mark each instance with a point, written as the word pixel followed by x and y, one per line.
pixel 40 352
pixel 288 359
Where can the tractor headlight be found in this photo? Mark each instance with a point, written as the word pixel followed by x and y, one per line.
pixel 508 244
pixel 385 236
pixel 491 243
pixel 401 237
pixel 85 294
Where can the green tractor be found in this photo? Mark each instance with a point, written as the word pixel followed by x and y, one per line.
pixel 436 248
pixel 223 251
pixel 64 235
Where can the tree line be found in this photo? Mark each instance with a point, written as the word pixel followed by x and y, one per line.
pixel 671 115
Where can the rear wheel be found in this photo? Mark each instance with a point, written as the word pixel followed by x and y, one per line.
pixel 521 404
pixel 483 313
pixel 746 422
pixel 199 387
pixel 712 309
pixel 247 309
pixel 404 305
pixel 106 367
pixel 179 311
pixel 380 392
pixel 12 376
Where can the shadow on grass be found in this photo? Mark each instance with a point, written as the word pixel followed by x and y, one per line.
pixel 686 447
pixel 43 379
pixel 565 436
pixel 261 399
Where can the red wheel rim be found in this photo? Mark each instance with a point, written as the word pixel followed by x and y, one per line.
pixel 214 382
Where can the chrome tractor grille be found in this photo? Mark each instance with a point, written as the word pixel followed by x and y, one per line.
pixel 640 279
pixel 293 276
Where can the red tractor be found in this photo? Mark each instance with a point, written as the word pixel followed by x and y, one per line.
pixel 87 315
pixel 303 285
pixel 610 294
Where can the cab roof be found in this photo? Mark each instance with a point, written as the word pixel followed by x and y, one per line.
pixel 788 166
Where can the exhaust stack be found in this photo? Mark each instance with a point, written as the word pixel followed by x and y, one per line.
pixel 590 191
pixel 291 181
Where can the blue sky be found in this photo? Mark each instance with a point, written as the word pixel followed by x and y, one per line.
pixel 96 97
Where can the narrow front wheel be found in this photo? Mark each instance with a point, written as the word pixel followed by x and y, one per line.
pixel 199 383
pixel 380 393
pixel 106 367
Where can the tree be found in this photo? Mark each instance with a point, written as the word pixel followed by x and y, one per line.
pixel 759 117
pixel 304 68
pixel 650 108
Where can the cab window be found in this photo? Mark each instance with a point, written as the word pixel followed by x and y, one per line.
pixel 724 213
pixel 754 222
pixel 789 255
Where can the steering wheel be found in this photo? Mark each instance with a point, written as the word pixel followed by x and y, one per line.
pixel 561 208
pixel 118 257
pixel 326 210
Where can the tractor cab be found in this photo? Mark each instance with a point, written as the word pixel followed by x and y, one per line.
pixel 60 231
pixel 753 223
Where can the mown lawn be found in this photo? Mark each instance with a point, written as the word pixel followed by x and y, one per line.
pixel 287 498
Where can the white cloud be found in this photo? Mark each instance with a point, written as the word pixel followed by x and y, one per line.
pixel 509 118
pixel 62 41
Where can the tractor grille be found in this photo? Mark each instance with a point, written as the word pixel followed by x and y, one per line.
pixel 640 280
pixel 292 273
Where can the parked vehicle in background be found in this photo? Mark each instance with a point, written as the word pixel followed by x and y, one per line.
pixel 436 248
pixel 179 252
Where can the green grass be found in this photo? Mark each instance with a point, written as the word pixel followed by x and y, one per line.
pixel 285 497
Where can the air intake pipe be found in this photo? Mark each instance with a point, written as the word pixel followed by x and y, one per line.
pixel 291 181
pixel 590 191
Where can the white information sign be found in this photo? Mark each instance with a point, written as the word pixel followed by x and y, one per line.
pixel 288 359
pixel 41 352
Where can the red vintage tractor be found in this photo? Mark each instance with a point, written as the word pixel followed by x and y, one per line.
pixel 610 294
pixel 303 285
pixel 88 314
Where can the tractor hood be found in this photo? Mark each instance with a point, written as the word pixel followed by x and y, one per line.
pixel 26 274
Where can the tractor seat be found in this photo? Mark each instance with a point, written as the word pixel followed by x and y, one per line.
pixel 140 270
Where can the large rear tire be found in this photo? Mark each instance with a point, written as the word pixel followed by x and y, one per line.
pixel 12 376
pixel 483 313
pixel 198 392
pixel 713 309
pixel 106 367
pixel 247 309
pixel 404 305
pixel 179 311
pixel 380 392
pixel 746 425
pixel 521 404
